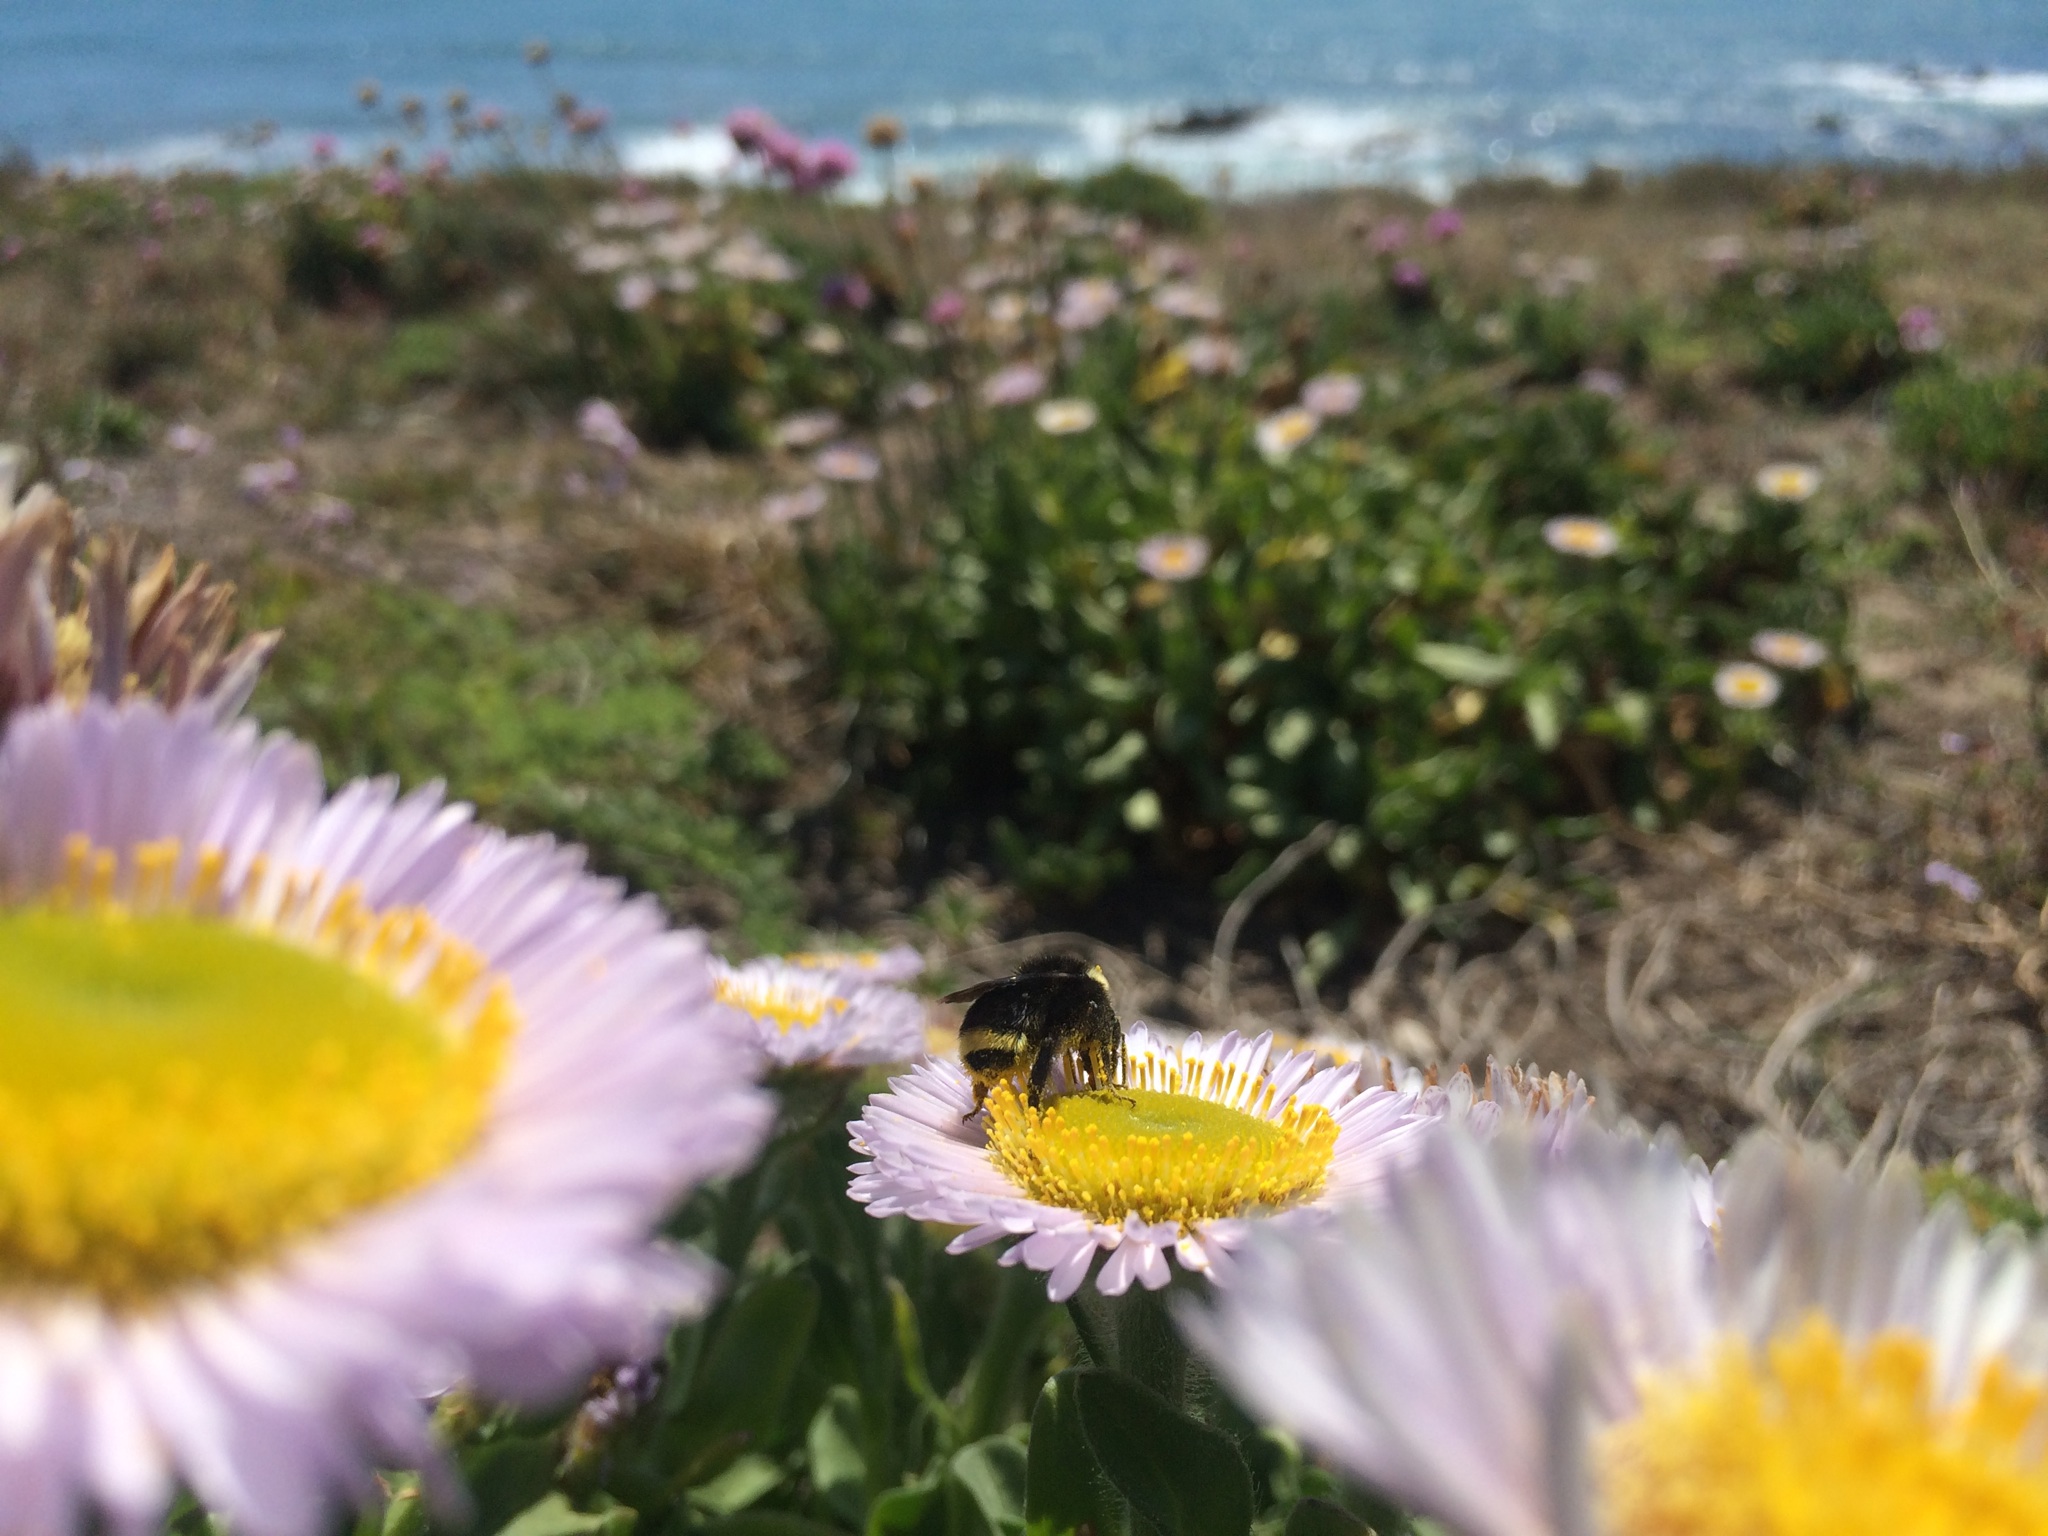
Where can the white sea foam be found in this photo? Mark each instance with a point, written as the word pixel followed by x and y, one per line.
pixel 1990 90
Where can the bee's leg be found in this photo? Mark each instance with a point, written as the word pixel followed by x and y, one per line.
pixel 980 1094
pixel 1105 1061
pixel 1041 1073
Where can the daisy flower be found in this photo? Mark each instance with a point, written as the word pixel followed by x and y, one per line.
pixel 1284 431
pixel 1200 1143
pixel 416 1092
pixel 1518 1343
pixel 898 963
pixel 1017 384
pixel 1787 482
pixel 1791 649
pixel 805 429
pixel 1186 301
pixel 794 506
pixel 1086 302
pixel 1590 538
pixel 1745 685
pixel 1064 418
pixel 1211 357
pixel 1173 556
pixel 847 464
pixel 1332 394
pixel 635 291
pixel 821 1015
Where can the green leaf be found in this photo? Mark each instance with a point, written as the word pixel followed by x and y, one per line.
pixel 1063 1487
pixel 767 1522
pixel 746 1371
pixel 506 1477
pixel 993 1472
pixel 916 1509
pixel 749 1478
pixel 1319 1517
pixel 839 1471
pixel 1180 1474
pixel 556 1516
pixel 405 1511
pixel 1546 719
pixel 1466 664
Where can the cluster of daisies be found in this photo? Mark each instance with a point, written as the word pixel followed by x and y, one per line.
pixel 1749 683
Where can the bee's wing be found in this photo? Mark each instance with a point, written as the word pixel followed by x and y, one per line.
pixel 979 989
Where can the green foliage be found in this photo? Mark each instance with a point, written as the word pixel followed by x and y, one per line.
pixel 1382 638
pixel 1184 1477
pixel 592 734
pixel 1988 1205
pixel 1994 427
pixel 103 423
pixel 1820 330
pixel 1153 198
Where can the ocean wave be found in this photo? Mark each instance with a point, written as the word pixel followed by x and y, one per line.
pixel 1991 90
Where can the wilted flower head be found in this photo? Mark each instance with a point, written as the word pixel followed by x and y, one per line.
pixel 794 506
pixel 1791 649
pixel 418 1095
pixel 1591 538
pixel 813 1015
pixel 1062 418
pixel 1173 556
pixel 1199 1144
pixel 1281 433
pixel 847 464
pixel 1787 482
pixel 1332 394
pixel 1523 1341
pixel 1745 685
pixel 598 422
pixel 1016 384
pixel 1086 302
pixel 884 132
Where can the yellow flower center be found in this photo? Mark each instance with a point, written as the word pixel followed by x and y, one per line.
pixel 187 1086
pixel 784 1002
pixel 1819 1439
pixel 1165 1153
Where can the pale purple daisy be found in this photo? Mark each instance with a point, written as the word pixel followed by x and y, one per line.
pixel 805 429
pixel 1944 874
pixel 1332 394
pixel 1017 384
pixel 794 506
pixel 834 1016
pixel 1186 301
pixel 1173 556
pixel 898 963
pixel 1520 1342
pixel 418 1094
pixel 1281 433
pixel 847 463
pixel 1086 303
pixel 1211 356
pixel 599 423
pixel 635 291
pixel 1197 1144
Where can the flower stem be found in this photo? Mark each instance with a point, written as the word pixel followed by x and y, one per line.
pixel 1134 1334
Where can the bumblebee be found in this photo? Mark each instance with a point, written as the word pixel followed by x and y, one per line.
pixel 1054 1008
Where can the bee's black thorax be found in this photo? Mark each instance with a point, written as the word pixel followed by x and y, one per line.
pixel 1054 1010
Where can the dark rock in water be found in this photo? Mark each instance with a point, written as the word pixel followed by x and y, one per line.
pixel 1200 120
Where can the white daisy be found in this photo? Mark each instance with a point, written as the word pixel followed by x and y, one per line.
pixel 831 1016
pixel 1745 685
pixel 1064 418
pixel 1198 1145
pixel 1521 1344
pixel 1787 482
pixel 1590 538
pixel 414 1095
pixel 1791 649
pixel 1333 394
pixel 1281 433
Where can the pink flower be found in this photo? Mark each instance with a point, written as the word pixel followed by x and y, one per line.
pixel 1086 302
pixel 748 128
pixel 1444 224
pixel 847 464
pixel 1333 394
pixel 439 163
pixel 1920 330
pixel 377 239
pixel 1173 556
pixel 829 162
pixel 794 506
pixel 268 477
pixel 150 251
pixel 588 122
pixel 1389 236
pixel 1946 875
pixel 388 183
pixel 947 308
pixel 490 119
pixel 325 146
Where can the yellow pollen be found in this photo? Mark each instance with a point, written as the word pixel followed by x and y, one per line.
pixel 779 1002
pixel 1817 1438
pixel 1164 1149
pixel 188 1084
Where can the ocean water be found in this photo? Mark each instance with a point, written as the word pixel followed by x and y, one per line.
pixel 1347 90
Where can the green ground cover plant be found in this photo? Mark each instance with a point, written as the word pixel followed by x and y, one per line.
pixel 1992 427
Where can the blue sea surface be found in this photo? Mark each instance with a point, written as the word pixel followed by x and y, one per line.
pixel 1423 94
